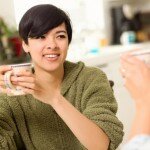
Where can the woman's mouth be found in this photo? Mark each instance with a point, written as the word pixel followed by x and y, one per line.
pixel 51 57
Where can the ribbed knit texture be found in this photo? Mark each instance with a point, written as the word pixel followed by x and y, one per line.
pixel 26 123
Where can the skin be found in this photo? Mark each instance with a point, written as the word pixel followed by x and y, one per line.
pixel 45 85
pixel 137 81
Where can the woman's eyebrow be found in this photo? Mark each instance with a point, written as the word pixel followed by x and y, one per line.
pixel 61 31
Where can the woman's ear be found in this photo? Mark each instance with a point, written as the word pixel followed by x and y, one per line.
pixel 25 47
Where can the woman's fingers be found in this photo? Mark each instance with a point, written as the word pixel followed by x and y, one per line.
pixel 1 77
pixel 13 79
pixel 22 73
pixel 29 78
pixel 2 84
pixel 4 69
pixel 26 90
pixel 26 85
pixel 4 90
pixel 24 79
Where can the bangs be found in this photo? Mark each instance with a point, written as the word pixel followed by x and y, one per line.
pixel 42 25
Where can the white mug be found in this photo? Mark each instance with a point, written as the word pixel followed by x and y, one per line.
pixel 15 69
pixel 142 54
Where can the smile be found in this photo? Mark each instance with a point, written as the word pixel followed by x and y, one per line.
pixel 51 55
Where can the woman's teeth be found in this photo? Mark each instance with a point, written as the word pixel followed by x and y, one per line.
pixel 51 56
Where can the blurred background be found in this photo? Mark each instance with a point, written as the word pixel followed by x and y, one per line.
pixel 102 31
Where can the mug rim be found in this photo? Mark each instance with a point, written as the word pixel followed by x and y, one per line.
pixel 20 65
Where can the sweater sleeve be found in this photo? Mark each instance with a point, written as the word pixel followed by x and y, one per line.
pixel 99 105
pixel 7 126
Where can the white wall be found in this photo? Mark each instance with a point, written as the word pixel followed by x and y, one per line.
pixel 80 10
pixel 7 12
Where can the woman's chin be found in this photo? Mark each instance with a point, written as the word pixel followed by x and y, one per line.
pixel 52 67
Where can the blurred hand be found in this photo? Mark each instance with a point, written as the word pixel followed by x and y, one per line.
pixel 137 79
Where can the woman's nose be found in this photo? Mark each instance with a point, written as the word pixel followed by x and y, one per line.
pixel 51 44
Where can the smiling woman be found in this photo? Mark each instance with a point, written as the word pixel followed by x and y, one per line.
pixel 67 105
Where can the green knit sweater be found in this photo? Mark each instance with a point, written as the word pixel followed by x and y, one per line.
pixel 27 123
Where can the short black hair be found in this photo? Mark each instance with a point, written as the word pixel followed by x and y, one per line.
pixel 39 19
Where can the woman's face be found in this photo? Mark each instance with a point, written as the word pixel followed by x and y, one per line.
pixel 48 52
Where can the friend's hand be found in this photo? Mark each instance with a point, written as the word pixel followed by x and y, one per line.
pixel 137 79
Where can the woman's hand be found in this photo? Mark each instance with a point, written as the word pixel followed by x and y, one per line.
pixel 3 70
pixel 28 83
pixel 137 79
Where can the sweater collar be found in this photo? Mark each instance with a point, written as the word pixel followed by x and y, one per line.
pixel 71 72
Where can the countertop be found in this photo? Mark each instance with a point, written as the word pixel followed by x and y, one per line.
pixel 106 54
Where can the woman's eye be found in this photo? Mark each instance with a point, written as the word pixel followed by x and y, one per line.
pixel 61 36
pixel 40 37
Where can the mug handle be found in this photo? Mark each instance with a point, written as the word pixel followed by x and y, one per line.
pixel 7 80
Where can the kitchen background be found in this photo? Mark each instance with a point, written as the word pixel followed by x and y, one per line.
pixel 102 31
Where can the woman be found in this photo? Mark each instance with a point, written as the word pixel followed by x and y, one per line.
pixel 67 106
pixel 137 81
